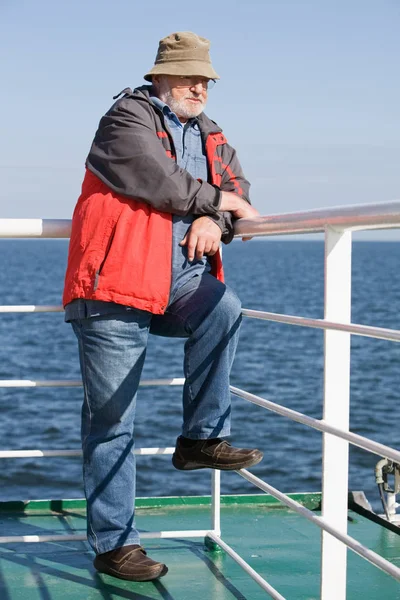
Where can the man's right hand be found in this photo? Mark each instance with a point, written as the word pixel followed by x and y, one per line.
pixel 237 206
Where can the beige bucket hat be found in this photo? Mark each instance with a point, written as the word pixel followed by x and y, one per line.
pixel 183 53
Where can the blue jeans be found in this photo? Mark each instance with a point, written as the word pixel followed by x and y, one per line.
pixel 112 350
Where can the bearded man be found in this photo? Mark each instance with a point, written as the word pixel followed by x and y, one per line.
pixel 162 189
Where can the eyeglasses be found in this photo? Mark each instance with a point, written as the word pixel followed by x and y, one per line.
pixel 188 82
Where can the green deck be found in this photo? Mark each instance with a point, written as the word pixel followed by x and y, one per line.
pixel 282 546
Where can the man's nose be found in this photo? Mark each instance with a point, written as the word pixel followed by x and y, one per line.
pixel 198 87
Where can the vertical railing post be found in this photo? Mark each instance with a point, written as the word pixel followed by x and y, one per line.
pixel 216 501
pixel 336 412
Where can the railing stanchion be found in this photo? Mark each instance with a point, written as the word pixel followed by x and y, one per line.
pixel 336 412
pixel 216 501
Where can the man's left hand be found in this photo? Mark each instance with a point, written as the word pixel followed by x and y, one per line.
pixel 203 237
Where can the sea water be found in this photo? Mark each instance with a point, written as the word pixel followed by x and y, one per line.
pixel 279 362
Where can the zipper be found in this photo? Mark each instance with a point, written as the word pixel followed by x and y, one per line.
pixel 173 150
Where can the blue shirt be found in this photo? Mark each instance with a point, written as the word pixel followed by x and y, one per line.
pixel 190 156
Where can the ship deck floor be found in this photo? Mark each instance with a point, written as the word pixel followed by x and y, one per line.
pixel 282 546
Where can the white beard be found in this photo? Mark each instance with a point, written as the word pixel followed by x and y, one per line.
pixel 179 107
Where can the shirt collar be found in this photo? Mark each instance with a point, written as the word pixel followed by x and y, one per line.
pixel 170 114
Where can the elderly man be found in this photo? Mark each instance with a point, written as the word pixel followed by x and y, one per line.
pixel 162 189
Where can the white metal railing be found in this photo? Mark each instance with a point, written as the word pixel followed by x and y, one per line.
pixel 337 224
pixel 358 217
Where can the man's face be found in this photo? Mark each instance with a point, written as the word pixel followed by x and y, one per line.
pixel 186 96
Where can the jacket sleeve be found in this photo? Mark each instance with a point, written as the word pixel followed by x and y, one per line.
pixel 129 158
pixel 233 180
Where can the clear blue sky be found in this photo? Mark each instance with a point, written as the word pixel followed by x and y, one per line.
pixel 309 93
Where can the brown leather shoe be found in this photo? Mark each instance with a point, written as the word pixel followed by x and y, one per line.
pixel 129 562
pixel 213 454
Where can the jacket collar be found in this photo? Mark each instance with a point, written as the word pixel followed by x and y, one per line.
pixel 144 92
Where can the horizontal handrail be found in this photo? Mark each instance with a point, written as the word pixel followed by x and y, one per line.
pixel 384 215
pixel 15 539
pixel 35 228
pixel 320 425
pixel 30 308
pixel 42 453
pixel 28 383
pixel 350 542
pixel 363 330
